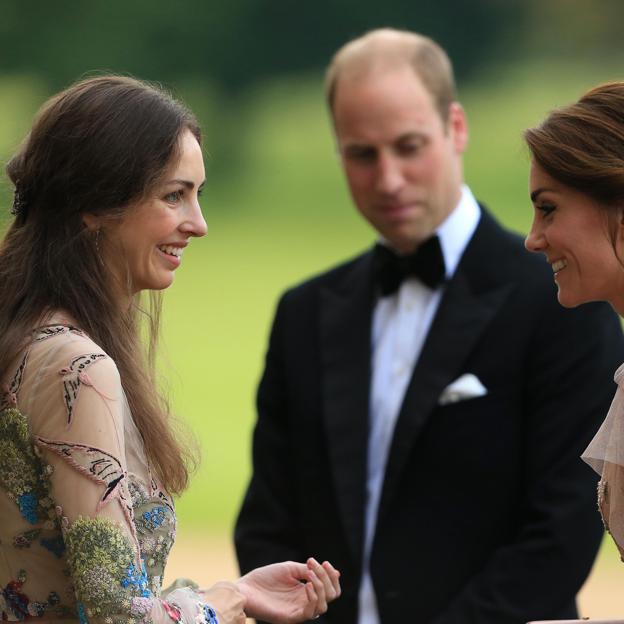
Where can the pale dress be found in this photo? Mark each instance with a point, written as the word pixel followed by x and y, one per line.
pixel 85 526
pixel 605 454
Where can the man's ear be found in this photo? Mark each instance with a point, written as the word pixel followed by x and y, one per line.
pixel 458 127
pixel 92 222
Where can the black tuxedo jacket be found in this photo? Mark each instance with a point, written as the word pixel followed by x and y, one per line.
pixel 487 514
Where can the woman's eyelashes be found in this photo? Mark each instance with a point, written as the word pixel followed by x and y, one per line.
pixel 545 209
pixel 174 197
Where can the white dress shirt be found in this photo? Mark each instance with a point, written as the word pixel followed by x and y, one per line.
pixel 401 323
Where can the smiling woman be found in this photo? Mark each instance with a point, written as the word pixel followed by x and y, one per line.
pixel 577 235
pixel 107 188
pixel 145 247
pixel 577 188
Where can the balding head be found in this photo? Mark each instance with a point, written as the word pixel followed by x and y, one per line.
pixel 385 49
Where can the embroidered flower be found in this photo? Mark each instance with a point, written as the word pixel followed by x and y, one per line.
pixel 207 615
pixel 22 474
pixel 82 616
pixel 24 540
pixel 137 578
pixel 56 545
pixel 36 609
pixel 154 518
pixel 53 599
pixel 173 611
pixel 15 600
pixel 28 504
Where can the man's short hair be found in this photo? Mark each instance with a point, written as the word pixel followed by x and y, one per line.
pixel 386 48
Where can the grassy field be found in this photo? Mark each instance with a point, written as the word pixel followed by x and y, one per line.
pixel 281 214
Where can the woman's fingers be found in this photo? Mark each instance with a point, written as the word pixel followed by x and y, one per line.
pixel 322 584
pixel 310 612
pixel 334 577
pixel 328 575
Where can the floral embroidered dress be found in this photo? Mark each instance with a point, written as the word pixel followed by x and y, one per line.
pixel 85 527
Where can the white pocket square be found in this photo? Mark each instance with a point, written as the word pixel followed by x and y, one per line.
pixel 465 387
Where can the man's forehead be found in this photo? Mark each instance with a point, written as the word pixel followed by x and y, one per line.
pixel 364 70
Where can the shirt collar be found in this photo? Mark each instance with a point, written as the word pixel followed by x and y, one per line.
pixel 457 229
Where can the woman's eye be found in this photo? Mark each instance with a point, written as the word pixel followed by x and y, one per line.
pixel 545 209
pixel 174 197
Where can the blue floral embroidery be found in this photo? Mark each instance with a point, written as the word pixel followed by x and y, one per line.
pixel 137 578
pixel 210 615
pixel 82 616
pixel 28 504
pixel 56 545
pixel 154 518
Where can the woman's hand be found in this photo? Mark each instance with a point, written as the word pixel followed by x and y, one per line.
pixel 227 600
pixel 289 592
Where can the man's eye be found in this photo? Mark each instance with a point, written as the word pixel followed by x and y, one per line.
pixel 409 149
pixel 361 155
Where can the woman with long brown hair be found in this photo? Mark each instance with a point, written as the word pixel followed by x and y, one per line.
pixel 106 199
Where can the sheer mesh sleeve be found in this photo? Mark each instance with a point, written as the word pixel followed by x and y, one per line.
pixel 75 409
pixel 605 454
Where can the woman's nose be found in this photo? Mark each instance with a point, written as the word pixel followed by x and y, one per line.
pixel 535 239
pixel 196 225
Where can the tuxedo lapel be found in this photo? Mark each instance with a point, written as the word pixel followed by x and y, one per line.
pixel 345 315
pixel 458 325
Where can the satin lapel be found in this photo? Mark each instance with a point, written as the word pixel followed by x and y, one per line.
pixel 456 329
pixel 346 362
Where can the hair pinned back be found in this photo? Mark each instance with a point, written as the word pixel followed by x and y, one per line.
pixel 582 145
pixel 98 147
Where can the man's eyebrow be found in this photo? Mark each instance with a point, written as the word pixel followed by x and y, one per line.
pixel 408 136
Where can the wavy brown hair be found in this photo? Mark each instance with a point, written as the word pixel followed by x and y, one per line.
pixel 582 145
pixel 98 147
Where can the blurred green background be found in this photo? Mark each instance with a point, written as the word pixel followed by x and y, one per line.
pixel 276 203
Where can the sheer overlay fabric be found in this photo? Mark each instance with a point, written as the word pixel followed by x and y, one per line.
pixel 605 454
pixel 86 527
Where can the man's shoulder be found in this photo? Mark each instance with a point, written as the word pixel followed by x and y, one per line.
pixel 332 278
pixel 495 248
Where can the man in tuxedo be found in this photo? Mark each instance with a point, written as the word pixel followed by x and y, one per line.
pixel 424 405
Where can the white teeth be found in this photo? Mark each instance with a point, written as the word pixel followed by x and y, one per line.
pixel 557 266
pixel 171 250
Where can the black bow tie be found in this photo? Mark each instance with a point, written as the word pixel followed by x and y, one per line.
pixel 426 264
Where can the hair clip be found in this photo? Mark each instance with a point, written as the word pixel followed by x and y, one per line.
pixel 18 203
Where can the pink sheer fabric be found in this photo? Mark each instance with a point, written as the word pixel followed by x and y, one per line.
pixel 86 528
pixel 605 454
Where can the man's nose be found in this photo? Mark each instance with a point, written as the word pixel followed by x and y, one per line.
pixel 390 177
